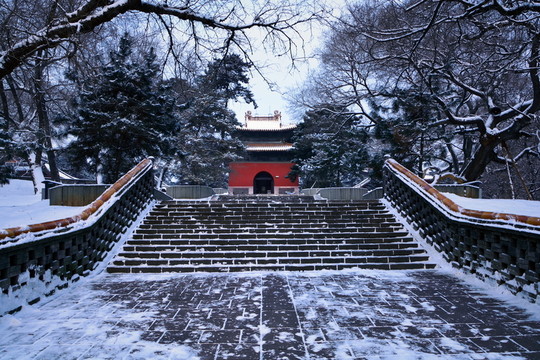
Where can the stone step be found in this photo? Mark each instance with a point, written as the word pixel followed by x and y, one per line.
pixel 266 198
pixel 270 230
pixel 253 216
pixel 255 222
pixel 275 235
pixel 258 242
pixel 268 267
pixel 279 210
pixel 266 225
pixel 274 240
pixel 269 260
pixel 301 248
pixel 337 209
pixel 275 206
pixel 266 228
pixel 263 234
pixel 243 245
pixel 322 203
pixel 268 220
pixel 266 247
pixel 166 252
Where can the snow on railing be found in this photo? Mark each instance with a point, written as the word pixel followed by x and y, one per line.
pixel 451 205
pixel 497 248
pixel 139 170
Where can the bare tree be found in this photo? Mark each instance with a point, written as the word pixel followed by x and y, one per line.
pixel 477 62
pixel 42 39
pixel 204 22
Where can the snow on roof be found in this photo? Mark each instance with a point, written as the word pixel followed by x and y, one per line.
pixel 265 127
pixel 265 122
pixel 63 175
pixel 269 147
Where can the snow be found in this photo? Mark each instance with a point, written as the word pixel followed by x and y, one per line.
pixel 36 288
pixel 86 321
pixel 18 192
pixel 19 206
pixel 508 206
pixel 499 223
pixel 57 213
pixel 436 257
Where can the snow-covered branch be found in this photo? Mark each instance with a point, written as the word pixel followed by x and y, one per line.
pixel 93 13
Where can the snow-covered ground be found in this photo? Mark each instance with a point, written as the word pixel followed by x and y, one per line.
pixel 19 206
pixel 509 206
pixel 354 314
pixel 439 314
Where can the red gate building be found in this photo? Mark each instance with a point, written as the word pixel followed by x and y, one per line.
pixel 268 161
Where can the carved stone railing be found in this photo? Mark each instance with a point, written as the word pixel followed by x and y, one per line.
pixel 499 247
pixel 50 255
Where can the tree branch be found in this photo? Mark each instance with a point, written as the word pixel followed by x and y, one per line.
pixel 96 12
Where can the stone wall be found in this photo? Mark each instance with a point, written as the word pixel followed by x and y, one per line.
pixel 75 195
pixel 36 264
pixel 465 190
pixel 189 191
pixel 342 193
pixel 504 251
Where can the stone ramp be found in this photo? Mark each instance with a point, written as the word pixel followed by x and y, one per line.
pixel 290 233
pixel 374 315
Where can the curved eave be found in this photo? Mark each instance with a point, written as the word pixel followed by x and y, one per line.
pixel 284 128
pixel 264 149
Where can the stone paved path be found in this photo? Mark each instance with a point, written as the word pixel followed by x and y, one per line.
pixel 334 315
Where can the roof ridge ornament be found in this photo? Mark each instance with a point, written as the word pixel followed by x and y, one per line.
pixel 265 122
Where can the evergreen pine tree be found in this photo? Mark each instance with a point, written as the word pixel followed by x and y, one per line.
pixel 124 114
pixel 401 131
pixel 330 149
pixel 206 144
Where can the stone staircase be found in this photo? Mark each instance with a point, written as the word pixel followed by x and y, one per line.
pixel 250 233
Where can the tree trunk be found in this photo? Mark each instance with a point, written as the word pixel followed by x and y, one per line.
pixel 455 160
pixel 16 100
pixel 44 136
pixel 481 158
pixel 4 139
pixel 5 107
pixel 37 172
pixel 100 175
pixel 161 176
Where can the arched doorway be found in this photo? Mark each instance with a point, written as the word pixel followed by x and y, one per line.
pixel 263 183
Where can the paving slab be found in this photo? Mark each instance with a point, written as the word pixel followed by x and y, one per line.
pixel 374 315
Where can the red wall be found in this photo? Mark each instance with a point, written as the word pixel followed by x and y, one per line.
pixel 243 173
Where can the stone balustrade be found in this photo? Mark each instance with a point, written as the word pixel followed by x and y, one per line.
pixel 38 259
pixel 497 247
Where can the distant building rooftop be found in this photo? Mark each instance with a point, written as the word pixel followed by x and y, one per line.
pixel 269 147
pixel 264 123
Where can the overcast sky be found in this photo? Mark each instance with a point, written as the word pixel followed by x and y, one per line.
pixel 280 71
pixel 270 98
